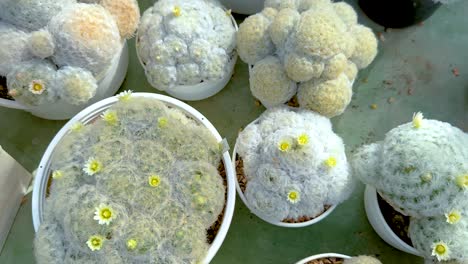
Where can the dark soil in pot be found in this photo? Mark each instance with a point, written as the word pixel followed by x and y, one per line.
pixel 3 89
pixel 326 261
pixel 398 222
pixel 398 13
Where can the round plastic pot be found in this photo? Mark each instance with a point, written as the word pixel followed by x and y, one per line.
pixel 377 220
pixel 94 111
pixel 276 223
pixel 61 110
pixel 398 13
pixel 203 89
pixel 245 7
pixel 320 256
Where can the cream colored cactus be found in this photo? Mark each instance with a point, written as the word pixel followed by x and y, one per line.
pixel 86 37
pixel 362 260
pixel 319 44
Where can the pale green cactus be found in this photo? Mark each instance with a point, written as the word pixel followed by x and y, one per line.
pixel 318 45
pixel 295 165
pixel 185 42
pixel 123 192
pixel 421 169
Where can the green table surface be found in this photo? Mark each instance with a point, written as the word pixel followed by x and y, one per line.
pixel 412 72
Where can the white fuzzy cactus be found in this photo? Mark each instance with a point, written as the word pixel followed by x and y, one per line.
pixel 294 164
pixel 362 260
pixel 85 37
pixel 421 169
pixel 185 42
pixel 138 185
pixel 319 48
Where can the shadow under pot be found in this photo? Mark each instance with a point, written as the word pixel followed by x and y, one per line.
pixel 398 13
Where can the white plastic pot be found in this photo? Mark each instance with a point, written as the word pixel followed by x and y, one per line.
pixel 95 110
pixel 319 256
pixel 245 7
pixel 204 89
pixel 61 110
pixel 377 220
pixel 276 223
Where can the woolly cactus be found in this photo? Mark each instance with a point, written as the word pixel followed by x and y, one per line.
pixel 420 168
pixel 79 36
pixel 294 164
pixel 362 260
pixel 124 192
pixel 185 42
pixel 319 47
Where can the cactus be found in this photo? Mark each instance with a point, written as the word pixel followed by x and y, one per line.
pixel 319 47
pixel 362 260
pixel 294 164
pixel 420 168
pixel 122 190
pixel 185 42
pixel 82 39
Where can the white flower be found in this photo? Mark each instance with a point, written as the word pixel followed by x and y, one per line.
pixel 95 242
pixel 104 214
pixel 37 87
pixel 294 196
pixel 441 251
pixel 92 166
pixel 125 95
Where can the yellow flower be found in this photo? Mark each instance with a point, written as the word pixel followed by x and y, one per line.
pixel 37 87
pixel 76 127
pixel 294 196
pixel 441 251
pixel 162 122
pixel 228 12
pixel 57 174
pixel 303 139
pixel 132 244
pixel 453 217
pixel 95 242
pixel 92 166
pixel 125 95
pixel 330 162
pixel 110 117
pixel 284 146
pixel 176 11
pixel 426 177
pixel 104 214
pixel 462 181
pixel 417 119
pixel 154 180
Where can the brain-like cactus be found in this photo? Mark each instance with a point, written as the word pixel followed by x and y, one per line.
pixel 320 46
pixel 421 169
pixel 294 164
pixel 123 192
pixel 185 42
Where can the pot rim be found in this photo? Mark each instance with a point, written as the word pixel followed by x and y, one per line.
pixel 87 115
pixel 323 255
pixel 276 223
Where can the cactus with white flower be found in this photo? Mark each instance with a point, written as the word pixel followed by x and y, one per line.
pixel 185 42
pixel 295 165
pixel 311 49
pixel 421 169
pixel 138 185
pixel 80 36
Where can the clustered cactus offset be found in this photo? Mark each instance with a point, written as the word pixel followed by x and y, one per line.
pixel 294 164
pixel 309 48
pixel 186 42
pixel 76 42
pixel 421 169
pixel 138 185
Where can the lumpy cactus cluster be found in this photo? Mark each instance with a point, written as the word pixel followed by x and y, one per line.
pixel 421 169
pixel 140 184
pixel 294 164
pixel 362 260
pixel 309 48
pixel 58 50
pixel 186 42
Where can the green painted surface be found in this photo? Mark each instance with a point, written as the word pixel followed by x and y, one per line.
pixel 417 61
